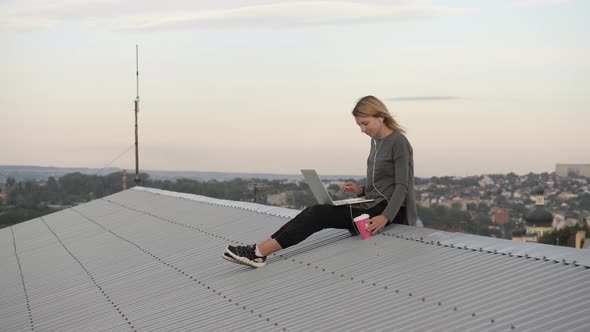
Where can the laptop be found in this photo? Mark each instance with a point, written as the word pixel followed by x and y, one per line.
pixel 322 195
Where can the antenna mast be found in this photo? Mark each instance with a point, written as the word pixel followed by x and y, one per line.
pixel 137 179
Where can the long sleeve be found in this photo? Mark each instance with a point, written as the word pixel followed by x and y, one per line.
pixel 390 174
pixel 402 180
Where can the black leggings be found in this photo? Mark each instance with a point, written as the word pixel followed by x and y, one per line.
pixel 315 218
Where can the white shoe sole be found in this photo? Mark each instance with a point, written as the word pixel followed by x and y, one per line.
pixel 229 258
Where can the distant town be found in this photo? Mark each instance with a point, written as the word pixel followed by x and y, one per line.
pixel 551 208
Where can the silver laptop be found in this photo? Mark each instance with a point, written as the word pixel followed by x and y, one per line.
pixel 322 195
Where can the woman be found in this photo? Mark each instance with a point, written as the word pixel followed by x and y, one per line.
pixel 390 182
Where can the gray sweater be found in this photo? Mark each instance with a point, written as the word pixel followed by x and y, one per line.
pixel 394 176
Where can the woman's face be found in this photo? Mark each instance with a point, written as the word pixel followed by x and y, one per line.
pixel 370 125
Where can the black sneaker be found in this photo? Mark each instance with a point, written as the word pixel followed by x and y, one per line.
pixel 246 255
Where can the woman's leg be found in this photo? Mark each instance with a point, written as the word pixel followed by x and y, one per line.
pixel 269 246
pixel 311 220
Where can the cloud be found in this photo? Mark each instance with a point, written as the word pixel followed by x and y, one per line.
pixel 36 15
pixel 538 3
pixel 150 14
pixel 424 98
pixel 300 13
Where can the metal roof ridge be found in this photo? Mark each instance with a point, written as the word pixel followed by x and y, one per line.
pixel 254 207
pixel 564 255
pixel 539 251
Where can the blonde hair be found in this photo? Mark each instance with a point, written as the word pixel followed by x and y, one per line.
pixel 370 106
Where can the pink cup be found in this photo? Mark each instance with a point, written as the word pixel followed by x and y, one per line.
pixel 361 225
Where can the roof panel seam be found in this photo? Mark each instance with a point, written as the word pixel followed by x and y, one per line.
pixel 179 270
pixel 172 222
pixel 105 295
pixel 28 302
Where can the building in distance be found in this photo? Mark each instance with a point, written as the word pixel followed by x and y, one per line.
pixel 572 170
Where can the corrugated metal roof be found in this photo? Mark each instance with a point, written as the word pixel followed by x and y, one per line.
pixel 150 260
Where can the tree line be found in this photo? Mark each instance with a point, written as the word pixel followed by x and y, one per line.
pixel 31 199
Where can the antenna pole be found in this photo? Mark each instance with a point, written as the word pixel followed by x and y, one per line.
pixel 137 179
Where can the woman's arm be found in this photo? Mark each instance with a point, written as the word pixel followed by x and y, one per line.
pixel 401 164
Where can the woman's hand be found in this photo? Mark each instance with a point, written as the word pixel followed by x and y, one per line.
pixel 352 188
pixel 375 224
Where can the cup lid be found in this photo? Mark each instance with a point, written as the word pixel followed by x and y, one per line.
pixel 362 217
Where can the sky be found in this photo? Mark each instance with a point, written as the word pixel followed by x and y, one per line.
pixel 482 87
